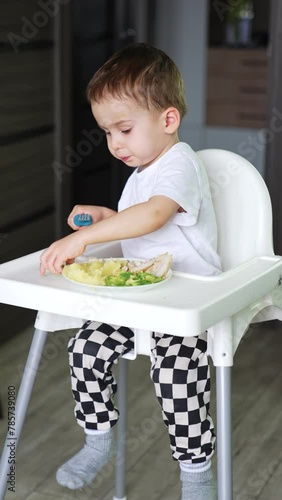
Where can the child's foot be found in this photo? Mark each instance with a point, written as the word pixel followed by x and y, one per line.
pixel 83 467
pixel 198 485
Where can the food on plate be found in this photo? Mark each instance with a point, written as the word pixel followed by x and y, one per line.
pixel 157 266
pixel 119 272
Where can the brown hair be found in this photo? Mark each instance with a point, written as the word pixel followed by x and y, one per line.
pixel 141 72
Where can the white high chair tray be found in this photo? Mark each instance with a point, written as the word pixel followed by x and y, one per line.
pixel 185 305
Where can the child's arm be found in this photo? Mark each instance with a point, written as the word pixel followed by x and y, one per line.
pixel 97 213
pixel 135 221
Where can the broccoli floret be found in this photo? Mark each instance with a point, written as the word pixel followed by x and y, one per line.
pixel 115 281
pixel 126 278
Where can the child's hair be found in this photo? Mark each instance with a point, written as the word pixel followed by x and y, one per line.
pixel 141 72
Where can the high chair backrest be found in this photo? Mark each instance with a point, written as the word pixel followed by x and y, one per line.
pixel 242 207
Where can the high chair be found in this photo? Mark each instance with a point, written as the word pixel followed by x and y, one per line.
pixel 248 290
pixel 244 220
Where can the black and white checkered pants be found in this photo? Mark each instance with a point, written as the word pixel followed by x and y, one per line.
pixel 180 372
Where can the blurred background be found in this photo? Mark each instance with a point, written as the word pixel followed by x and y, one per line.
pixel 52 153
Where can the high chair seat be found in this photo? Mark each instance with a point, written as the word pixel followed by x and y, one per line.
pixel 249 289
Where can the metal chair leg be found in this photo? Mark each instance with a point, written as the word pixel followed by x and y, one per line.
pixel 121 431
pixel 224 433
pixel 25 389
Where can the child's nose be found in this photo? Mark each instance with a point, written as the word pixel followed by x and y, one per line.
pixel 116 141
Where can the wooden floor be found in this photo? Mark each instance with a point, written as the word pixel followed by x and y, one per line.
pixel 51 434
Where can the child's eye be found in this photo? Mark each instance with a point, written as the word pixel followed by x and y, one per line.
pixel 126 131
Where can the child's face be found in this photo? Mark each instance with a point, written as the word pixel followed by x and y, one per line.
pixel 135 135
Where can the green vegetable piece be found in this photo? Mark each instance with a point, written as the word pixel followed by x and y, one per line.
pixel 115 281
pixel 127 278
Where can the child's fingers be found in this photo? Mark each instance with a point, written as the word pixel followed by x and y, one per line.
pixel 77 210
pixel 43 264
pixel 55 264
pixel 58 266
pixel 71 222
pixel 42 269
pixel 51 263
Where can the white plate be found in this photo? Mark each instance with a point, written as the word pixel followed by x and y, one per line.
pixel 120 288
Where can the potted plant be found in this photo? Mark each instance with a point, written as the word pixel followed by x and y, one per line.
pixel 239 23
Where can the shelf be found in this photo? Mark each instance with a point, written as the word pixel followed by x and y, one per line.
pixel 237 87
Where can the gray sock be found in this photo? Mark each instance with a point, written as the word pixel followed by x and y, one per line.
pixel 83 467
pixel 198 485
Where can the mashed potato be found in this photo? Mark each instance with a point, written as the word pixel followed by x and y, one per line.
pixel 94 272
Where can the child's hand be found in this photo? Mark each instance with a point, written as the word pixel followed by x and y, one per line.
pixel 61 251
pixel 95 212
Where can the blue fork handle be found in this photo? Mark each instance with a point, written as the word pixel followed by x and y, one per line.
pixel 82 220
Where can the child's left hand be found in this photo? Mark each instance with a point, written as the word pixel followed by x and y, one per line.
pixel 60 252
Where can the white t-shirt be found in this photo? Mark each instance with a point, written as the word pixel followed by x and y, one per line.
pixel 190 236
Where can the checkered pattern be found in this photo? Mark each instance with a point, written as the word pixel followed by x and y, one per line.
pixel 92 353
pixel 180 373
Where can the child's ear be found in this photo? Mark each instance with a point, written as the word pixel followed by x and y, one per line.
pixel 172 120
